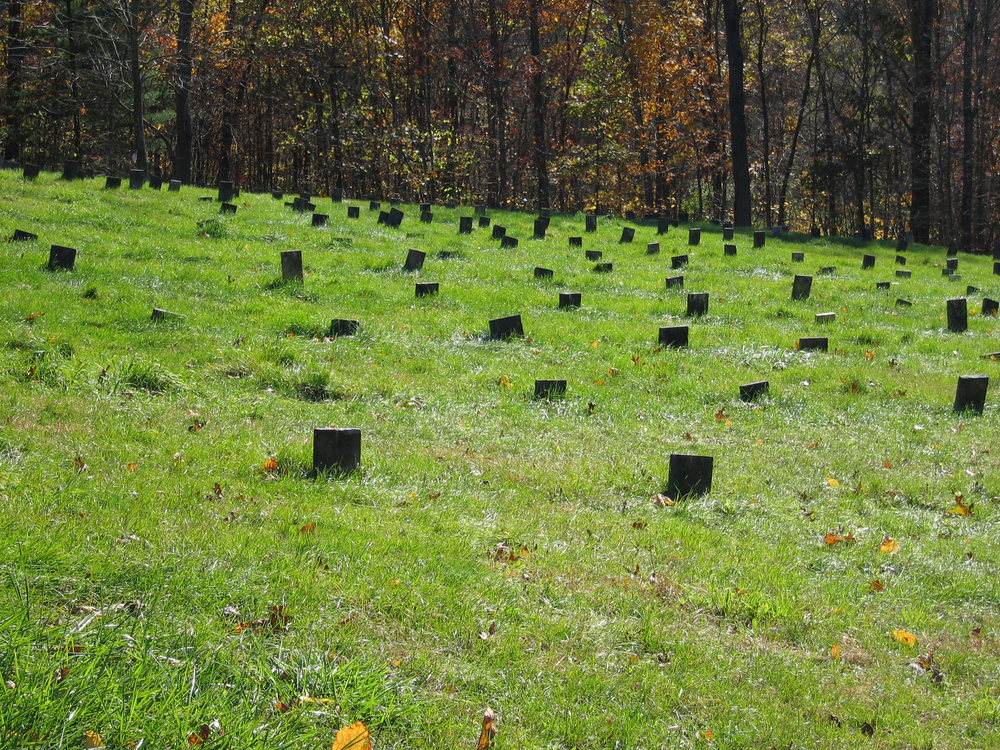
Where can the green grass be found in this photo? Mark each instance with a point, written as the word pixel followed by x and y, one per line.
pixel 140 530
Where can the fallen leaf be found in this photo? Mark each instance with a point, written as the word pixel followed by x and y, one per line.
pixel 709 734
pixel 832 539
pixel 661 500
pixel 270 465
pixel 92 739
pixel 876 585
pixel 960 508
pixel 196 426
pixel 308 530
pixel 886 465
pixel 810 446
pixel 907 639
pixel 721 415
pixel 888 546
pixel 688 436
pixel 832 482
pixel 32 316
pixel 638 525
pixel 489 731
pixel 868 729
pixel 835 651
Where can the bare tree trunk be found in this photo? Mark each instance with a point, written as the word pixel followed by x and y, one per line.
pixel 968 125
pixel 732 13
pixel 923 17
pixel 138 108
pixel 13 67
pixel 538 106
pixel 182 92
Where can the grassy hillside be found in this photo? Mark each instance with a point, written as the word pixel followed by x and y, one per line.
pixel 158 503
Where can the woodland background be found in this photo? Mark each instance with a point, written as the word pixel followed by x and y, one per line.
pixel 878 116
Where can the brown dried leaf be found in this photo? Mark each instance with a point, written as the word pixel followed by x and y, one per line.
pixel 489 730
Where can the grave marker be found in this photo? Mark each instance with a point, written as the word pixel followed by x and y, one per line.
pixel 414 260
pixel 207 199
pixel 814 232
pixel 576 241
pixel 336 195
pixel 505 328
pixel 450 205
pixel 990 306
pixel 908 236
pixel 694 236
pixel 155 182
pixel 21 236
pixel 903 274
pixel 113 183
pixel 447 254
pixel 354 212
pixel 675 282
pixel 674 337
pixel 951 264
pixel 689 475
pixel 30 171
pixel 425 206
pixel 628 234
pixel 545 389
pixel 727 234
pixel 159 314
pixel 867 261
pixel 697 304
pixel 543 273
pixel 828 270
pixel 291 265
pixel 798 257
pixel 136 179
pixel 427 288
pixel 277 195
pixel 540 226
pixel 729 250
pixel 383 217
pixel 903 303
pixel 996 269
pixel 653 248
pixel 506 241
pixel 813 343
pixel 900 260
pixel 954 277
pixel 374 205
pixel 230 208
pixel 484 222
pixel 426 217
pixel 343 327
pixel 971 393
pixel 827 317
pixel 336 449
pixel 499 232
pixel 63 258
pixel 958 315
pixel 71 168
pixel 395 218
pixel 882 285
pixel 591 223
pixel 465 225
pixel 174 186
pixel 801 287
pixel 752 391
pixel 683 217
pixel 662 225
pixel 302 205
pixel 319 220
pixel 593 254
pixel 971 290
pixel 603 268
pixel 759 238
pixel 480 209
pixel 569 299
pixel 678 261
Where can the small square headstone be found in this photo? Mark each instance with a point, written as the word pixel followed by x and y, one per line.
pixel 683 217
pixel 828 270
pixel 689 475
pixel 174 186
pixel 867 261
pixel 996 250
pixel 591 223
pixel 336 195
pixel 21 236
pixel 394 201
pixel 342 327
pixel 603 268
pixel 990 306
pixel 160 315
pixel 903 274
pixel 813 343
pixel 958 315
pixel 374 205
pixel 354 212
pixel 484 222
pixel 545 213
pixel 675 282
pixel 908 236
pixel 954 277
pixel 319 220
pixel 729 250
pixel 970 395
pixel 203 198
pixel 827 317
pixel 155 182
pixel 30 171
pixel 996 269
pixel 113 183
pixel 576 241
pixel 694 236
pixel 777 230
pixel 549 388
pixel 450 205
pixel 593 254
pixel 508 241
pixel 136 179
pixel 71 168
pixel 697 304
pixel 383 216
pixel 505 328
pixel 569 299
pixel 465 225
pixel 414 260
pixel 302 205
pixel 900 260
pixel 426 217
pixel 653 248
pixel 951 264
pixel 541 225
pixel 814 232
pixel 801 287
pixel 628 234
pixel 798 257
pixel 662 225
pixel 62 258
pixel 630 216
pixel 970 290
pixel 480 209
pixel 395 217
pixel 882 285
pixel 499 232
pixel 336 449
pixel 427 288
pixel 226 191
pixel 543 273
pixel 727 234
pixel 229 208
pixel 678 261
pixel 759 238
pixel 277 195
pixel 291 265
pixel 751 391
pixel 674 336
pixel 425 206
pixel 903 303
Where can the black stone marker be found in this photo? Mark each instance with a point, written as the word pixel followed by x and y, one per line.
pixel 21 236
pixel 630 216
pixel 593 254
pixel 697 304
pixel 319 220
pixel 545 213
pixel 675 282
pixel 206 198
pixel 591 223
pixel 689 475
pixel 159 314
pixel 903 274
pixel 450 205
pixel 827 317
pixel 946 272
pixel 996 269
pixel 996 250
pixel 674 337
pixel 63 258
pixel 576 241
pixel 694 236
pixel 751 391
pixel 136 179
pixel 882 284
pixel 394 201
pixel 549 388
pixel 484 222
pixel 499 232
pixel 336 449
pixel 426 217
pixel 814 232
pixel 653 248
pixel 729 250
pixel 427 288
pixel 569 299
pixel 828 270
pixel 30 171
pixel 374 205
pixel 727 234
pixel 508 241
pixel 336 195
pixel 683 217
pixel 801 287
pixel 954 277
pixel 505 328
pixel 971 290
pixel 678 261
pixel 343 327
pixel 815 343
pixel 155 182
pixel 543 273
pixel 71 168
pixel 662 226
pixel 447 254
pixel 628 234
pixel 540 226
pixel 958 315
pixel 113 183
pixel 302 205
pixel 230 208
pixel 990 306
pixel 354 212
pixel 951 264
pixel 425 207
pixel 900 260
pixel 465 225
pixel 867 261
pixel 901 245
pixel 277 195
pixel 291 265
pixel 395 218
pixel 603 268
pixel 798 257
pixel 759 238
pixel 414 260
pixel 903 303
pixel 971 393
pixel 383 217
pixel 174 186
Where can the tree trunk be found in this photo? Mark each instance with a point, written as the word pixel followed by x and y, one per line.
pixel 923 16
pixel 138 114
pixel 968 125
pixel 13 66
pixel 182 92
pixel 765 119
pixel 732 13
pixel 538 106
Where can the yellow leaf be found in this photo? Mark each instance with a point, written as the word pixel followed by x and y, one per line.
pixel 907 639
pixel 832 482
pixel 835 651
pixel 92 740
pixel 489 730
pixel 832 539
pixel 133 467
pixel 888 546
pixel 354 736
pixel 709 734
pixel 960 508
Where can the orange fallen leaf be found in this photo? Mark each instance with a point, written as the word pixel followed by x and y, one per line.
pixel 721 415
pixel 270 465
pixel 835 651
pixel 907 639
pixel 960 508
pixel 709 734
pixel 832 482
pixel 889 546
pixel 886 465
pixel 876 585
pixel 132 467
pixel 812 445
pixel 660 500
pixel 488 732
pixel 196 426
pixel 832 539
pixel 308 529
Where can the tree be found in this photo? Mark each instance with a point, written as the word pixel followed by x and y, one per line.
pixel 732 11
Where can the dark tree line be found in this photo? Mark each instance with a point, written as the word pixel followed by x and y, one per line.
pixel 855 117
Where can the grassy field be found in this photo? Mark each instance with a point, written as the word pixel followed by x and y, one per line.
pixel 173 574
